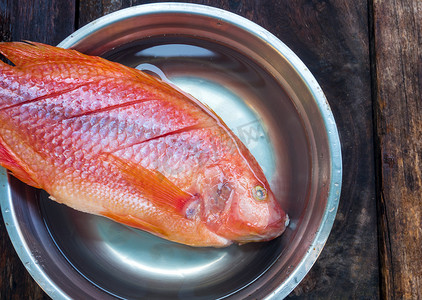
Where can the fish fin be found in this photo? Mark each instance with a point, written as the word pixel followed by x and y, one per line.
pixel 135 222
pixel 26 54
pixel 23 53
pixel 19 169
pixel 154 185
pixel 32 57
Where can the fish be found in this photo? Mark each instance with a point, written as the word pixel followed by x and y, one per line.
pixel 113 141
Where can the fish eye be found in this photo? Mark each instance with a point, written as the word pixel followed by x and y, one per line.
pixel 259 193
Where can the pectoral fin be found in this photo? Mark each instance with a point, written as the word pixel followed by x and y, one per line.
pixel 154 185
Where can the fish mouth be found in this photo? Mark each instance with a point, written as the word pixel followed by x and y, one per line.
pixel 279 226
pixel 270 232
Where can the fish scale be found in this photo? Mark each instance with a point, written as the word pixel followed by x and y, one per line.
pixel 106 139
pixel 98 127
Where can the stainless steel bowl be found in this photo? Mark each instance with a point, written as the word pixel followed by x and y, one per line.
pixel 270 100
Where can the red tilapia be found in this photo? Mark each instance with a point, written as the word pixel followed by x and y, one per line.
pixel 110 140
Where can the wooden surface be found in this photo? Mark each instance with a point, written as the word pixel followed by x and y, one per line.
pixel 398 111
pixel 366 55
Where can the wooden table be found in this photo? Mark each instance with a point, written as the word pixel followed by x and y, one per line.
pixel 367 56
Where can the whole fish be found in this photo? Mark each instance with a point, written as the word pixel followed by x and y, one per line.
pixel 110 140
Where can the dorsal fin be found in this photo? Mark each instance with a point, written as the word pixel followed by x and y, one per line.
pixel 27 53
pixel 30 55
pixel 39 59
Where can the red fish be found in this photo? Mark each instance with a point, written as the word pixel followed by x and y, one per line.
pixel 110 140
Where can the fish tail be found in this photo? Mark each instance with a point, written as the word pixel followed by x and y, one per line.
pixel 11 162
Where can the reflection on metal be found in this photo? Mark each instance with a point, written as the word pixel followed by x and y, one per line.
pixel 164 270
pixel 177 51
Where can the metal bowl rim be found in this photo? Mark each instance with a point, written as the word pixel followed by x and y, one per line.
pixel 321 236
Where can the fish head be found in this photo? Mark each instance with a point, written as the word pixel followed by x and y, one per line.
pixel 242 208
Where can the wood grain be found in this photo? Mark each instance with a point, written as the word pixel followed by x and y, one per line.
pixel 398 108
pixel 15 281
pixel 48 21
pixel 331 37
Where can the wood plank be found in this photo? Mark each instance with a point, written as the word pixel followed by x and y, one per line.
pixel 331 37
pixel 398 109
pixel 47 21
